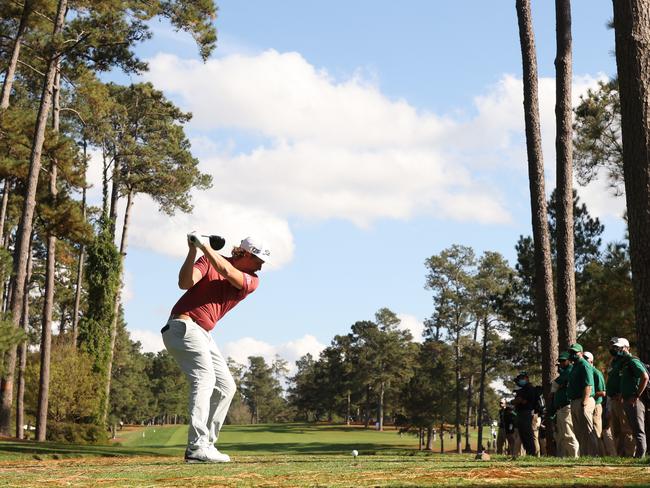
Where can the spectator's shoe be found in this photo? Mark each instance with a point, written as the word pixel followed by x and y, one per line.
pixel 205 455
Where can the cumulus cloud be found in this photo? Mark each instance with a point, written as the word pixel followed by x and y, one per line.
pixel 413 325
pixel 291 351
pixel 150 341
pixel 300 144
pixel 328 149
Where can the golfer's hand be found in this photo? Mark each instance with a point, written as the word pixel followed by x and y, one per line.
pixel 194 240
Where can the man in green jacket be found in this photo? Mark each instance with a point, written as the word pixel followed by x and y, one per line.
pixel 634 380
pixel 581 393
pixel 620 428
pixel 567 444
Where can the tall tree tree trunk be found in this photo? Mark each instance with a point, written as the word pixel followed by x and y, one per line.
pixel 430 438
pixel 10 73
pixel 566 284
pixel 22 356
pixel 544 299
pixel 347 418
pixel 80 261
pixel 442 437
pixel 3 207
pixel 468 411
pixel 457 348
pixel 48 305
pixel 123 246
pixel 115 195
pixel 367 420
pixel 381 406
pixel 481 401
pixel 632 29
pixel 26 221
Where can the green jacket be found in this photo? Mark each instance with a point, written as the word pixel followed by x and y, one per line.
pixel 613 385
pixel 600 384
pixel 561 398
pixel 582 375
pixel 631 372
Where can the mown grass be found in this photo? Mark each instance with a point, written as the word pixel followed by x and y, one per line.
pixel 294 455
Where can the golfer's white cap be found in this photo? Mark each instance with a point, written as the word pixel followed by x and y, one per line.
pixel 619 342
pixel 589 356
pixel 256 248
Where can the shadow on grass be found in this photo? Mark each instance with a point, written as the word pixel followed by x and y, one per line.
pixel 27 449
pixel 302 448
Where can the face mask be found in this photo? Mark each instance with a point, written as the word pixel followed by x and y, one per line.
pixel 613 351
pixel 574 357
pixel 560 369
pixel 522 382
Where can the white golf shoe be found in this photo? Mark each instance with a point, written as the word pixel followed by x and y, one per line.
pixel 208 454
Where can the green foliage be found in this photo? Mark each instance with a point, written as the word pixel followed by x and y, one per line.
pixel 427 398
pixel 132 389
pixel 103 280
pixel 76 433
pixel 168 384
pixel 606 300
pixel 73 387
pixel 262 392
pixel 151 148
pixel 9 337
pixel 597 136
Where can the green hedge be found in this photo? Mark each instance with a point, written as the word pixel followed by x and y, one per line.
pixel 76 433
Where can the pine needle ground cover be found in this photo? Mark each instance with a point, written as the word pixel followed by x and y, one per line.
pixel 293 455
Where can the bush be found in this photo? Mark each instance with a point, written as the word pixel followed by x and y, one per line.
pixel 76 433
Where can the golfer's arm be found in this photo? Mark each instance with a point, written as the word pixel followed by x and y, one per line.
pixel 224 268
pixel 188 276
pixel 586 394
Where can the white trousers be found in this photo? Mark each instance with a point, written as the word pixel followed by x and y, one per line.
pixel 211 383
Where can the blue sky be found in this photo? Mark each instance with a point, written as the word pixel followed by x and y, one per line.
pixel 356 139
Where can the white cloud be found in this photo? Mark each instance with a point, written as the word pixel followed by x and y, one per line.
pixel 127 287
pixel 413 325
pixel 151 341
pixel 291 351
pixel 330 149
pixel 600 200
pixel 311 147
pixel 167 235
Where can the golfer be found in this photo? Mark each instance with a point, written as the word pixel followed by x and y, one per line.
pixel 214 285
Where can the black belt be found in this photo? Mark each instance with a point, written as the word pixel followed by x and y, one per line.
pixel 164 329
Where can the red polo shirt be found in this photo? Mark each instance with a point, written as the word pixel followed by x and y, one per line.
pixel 212 296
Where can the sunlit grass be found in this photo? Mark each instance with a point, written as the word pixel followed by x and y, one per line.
pixel 295 455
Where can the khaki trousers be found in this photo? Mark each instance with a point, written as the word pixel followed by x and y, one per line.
pixel 598 421
pixel 535 426
pixel 621 431
pixel 567 444
pixel 583 424
pixel 501 440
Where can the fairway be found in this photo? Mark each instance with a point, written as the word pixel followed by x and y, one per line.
pixel 293 455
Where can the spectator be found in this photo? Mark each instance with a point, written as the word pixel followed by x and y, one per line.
pixel 621 432
pixel 524 403
pixel 581 393
pixel 634 380
pixel 567 444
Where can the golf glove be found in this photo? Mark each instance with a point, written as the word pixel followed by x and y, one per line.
pixel 194 239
